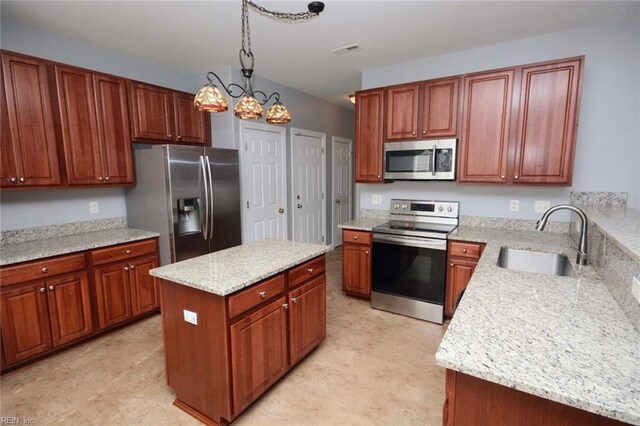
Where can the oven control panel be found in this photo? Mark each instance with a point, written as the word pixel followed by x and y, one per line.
pixel 425 208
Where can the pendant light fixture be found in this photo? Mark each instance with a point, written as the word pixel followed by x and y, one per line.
pixel 249 107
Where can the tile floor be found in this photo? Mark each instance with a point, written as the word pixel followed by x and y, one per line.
pixel 373 368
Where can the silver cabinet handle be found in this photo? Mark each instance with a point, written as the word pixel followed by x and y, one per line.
pixel 263 294
pixel 128 251
pixel 126 268
pixel 294 299
pixel 451 265
pixel 170 135
pixel 133 267
pixel 51 288
pixel 464 250
pixel 413 133
pixel 378 176
pixel 366 252
pixel 107 178
pixel 100 178
pixel 45 270
pixel 516 177
pixel 43 289
pixel 502 177
pixel 310 270
pixel 13 180
pixel 355 237
pixel 424 132
pixel 179 137
pixel 286 306
pixel 22 180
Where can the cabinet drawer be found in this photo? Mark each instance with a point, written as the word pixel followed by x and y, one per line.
pixel 468 250
pixel 361 237
pixel 41 269
pixel 305 271
pixel 123 251
pixel 255 295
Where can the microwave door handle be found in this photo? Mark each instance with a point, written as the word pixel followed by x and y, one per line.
pixel 433 160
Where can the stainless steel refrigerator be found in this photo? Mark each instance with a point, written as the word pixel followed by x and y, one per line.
pixel 190 196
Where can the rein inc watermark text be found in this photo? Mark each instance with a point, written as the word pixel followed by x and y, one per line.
pixel 8 420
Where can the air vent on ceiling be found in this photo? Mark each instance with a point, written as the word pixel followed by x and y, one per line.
pixel 346 49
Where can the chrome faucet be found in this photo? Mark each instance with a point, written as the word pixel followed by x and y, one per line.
pixel 584 223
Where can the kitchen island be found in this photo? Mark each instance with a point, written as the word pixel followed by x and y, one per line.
pixel 237 320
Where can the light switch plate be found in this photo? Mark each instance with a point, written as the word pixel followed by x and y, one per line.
pixel 376 199
pixel 190 317
pixel 514 205
pixel 542 206
pixel 93 207
pixel 635 289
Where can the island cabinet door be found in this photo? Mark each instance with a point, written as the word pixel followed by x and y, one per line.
pixel 113 295
pixel 258 353
pixel 307 318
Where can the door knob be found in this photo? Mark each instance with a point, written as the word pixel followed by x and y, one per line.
pixel 299 206
pixel 280 210
pixel 337 201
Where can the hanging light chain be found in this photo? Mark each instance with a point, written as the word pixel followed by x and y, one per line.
pixel 283 16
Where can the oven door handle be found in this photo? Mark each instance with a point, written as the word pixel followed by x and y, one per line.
pixel 411 242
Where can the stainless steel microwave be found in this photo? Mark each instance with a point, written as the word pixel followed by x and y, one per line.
pixel 420 160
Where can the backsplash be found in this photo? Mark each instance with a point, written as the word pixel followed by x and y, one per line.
pixel 513 224
pixel 599 198
pixel 53 231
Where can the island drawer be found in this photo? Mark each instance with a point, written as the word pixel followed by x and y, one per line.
pixel 41 269
pixel 256 294
pixel 358 237
pixel 468 250
pixel 123 251
pixel 306 271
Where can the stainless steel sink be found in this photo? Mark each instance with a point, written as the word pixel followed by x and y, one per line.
pixel 535 261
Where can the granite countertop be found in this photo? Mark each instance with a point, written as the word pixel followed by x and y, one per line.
pixel 227 271
pixel 621 224
pixel 38 249
pixel 363 224
pixel 563 339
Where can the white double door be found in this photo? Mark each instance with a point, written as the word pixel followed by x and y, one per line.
pixel 308 182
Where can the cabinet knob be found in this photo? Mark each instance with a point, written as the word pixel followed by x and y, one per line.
pixel 179 136
pixel 107 178
pixel 310 270
pixel 355 237
pixel 366 252
pixel 133 267
pixel 128 251
pixel 126 268
pixel 516 177
pixel 100 178
pixel 413 133
pixel 378 176
pixel 451 265
pixel 464 250
pixel 263 294
pixel 51 288
pixel 502 177
pixel 22 180
pixel 170 135
pixel 286 306
pixel 43 289
pixel 13 180
pixel 294 299
pixel 45 270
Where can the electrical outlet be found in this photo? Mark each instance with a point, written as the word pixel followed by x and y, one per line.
pixel 635 288
pixel 93 207
pixel 542 206
pixel 514 205
pixel 190 317
pixel 376 199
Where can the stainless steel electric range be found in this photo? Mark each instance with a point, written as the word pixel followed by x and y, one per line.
pixel 410 258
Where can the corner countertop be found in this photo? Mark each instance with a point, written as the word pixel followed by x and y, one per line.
pixel 563 339
pixel 227 271
pixel 363 224
pixel 39 249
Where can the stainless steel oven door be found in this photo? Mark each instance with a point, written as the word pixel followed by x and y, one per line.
pixel 420 160
pixel 409 276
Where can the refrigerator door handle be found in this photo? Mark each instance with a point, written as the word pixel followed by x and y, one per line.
pixel 209 199
pixel 205 227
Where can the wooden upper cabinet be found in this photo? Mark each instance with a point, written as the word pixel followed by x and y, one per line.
pixel 369 135
pixel 547 122
pixel 401 111
pixel 439 108
pixel 152 112
pixel 484 145
pixel 190 123
pixel 76 101
pixel 69 308
pixel 113 129
pixel 29 150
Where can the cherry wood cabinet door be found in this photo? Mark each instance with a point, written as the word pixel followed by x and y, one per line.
pixel 8 171
pixel 458 277
pixel 113 129
pixel 28 135
pixel 190 123
pixel 307 318
pixel 152 112
pixel 144 287
pixel 484 144
pixel 69 308
pixel 439 114
pixel 25 322
pixel 113 294
pixel 258 353
pixel 356 269
pixel 82 150
pixel 401 112
pixel 547 122
pixel 369 136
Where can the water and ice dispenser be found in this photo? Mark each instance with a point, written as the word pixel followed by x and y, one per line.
pixel 189 216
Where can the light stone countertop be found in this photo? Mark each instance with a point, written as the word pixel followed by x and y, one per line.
pixel 227 271
pixel 559 338
pixel 39 249
pixel 363 224
pixel 621 224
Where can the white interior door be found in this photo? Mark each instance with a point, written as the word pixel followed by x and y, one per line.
pixel 342 174
pixel 308 182
pixel 263 181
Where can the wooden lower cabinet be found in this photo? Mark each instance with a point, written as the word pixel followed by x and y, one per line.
pixel 356 263
pixel 462 258
pixel 113 294
pixel 241 345
pixel 69 308
pixel 145 295
pixel 473 401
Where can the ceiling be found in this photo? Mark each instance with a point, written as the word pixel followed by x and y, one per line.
pixel 193 36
